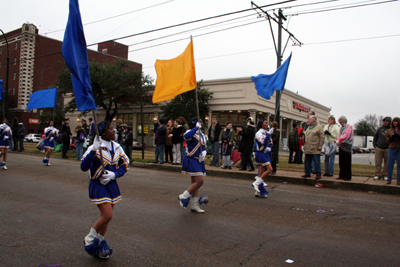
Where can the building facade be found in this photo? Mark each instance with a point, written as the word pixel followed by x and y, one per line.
pixel 35 62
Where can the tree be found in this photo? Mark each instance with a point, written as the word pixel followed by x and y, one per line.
pixel 374 121
pixel 115 85
pixel 185 104
pixel 363 128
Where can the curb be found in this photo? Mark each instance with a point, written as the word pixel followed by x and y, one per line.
pixel 335 184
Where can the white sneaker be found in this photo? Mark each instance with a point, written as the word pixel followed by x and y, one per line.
pixel 376 177
pixel 195 207
pixel 257 194
pixel 5 167
pixel 48 164
pixel 257 183
pixel 90 237
pixel 385 178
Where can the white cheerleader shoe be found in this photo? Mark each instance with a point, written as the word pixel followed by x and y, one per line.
pixel 90 237
pixel 48 164
pixel 195 207
pixel 184 199
pixel 257 182
pixel 5 167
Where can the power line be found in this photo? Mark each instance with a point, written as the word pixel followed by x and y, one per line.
pixel 116 16
pixel 340 8
pixel 190 22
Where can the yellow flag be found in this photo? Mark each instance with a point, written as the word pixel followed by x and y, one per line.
pixel 175 76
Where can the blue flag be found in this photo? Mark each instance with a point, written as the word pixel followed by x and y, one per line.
pixel 1 90
pixel 76 57
pixel 43 99
pixel 266 85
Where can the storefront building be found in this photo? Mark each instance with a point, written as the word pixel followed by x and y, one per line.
pixel 233 100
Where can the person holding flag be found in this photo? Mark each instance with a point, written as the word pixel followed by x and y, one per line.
pixel 193 165
pixel 262 147
pixel 51 133
pixel 5 135
pixel 103 187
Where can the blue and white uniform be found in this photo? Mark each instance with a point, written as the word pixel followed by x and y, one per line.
pixel 262 140
pixel 5 135
pixel 116 161
pixel 195 144
pixel 51 133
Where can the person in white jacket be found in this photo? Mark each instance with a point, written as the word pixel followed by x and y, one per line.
pixel 331 131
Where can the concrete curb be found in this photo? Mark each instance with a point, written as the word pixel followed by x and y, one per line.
pixel 358 183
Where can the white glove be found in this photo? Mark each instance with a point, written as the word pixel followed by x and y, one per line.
pixel 107 177
pixel 96 144
pixel 202 156
pixel 271 131
pixel 5 137
pixel 268 149
pixel 51 139
pixel 198 125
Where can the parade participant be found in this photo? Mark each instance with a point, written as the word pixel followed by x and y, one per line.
pixel 193 165
pixel 262 146
pixel 66 136
pixel 5 135
pixel 50 134
pixel 103 186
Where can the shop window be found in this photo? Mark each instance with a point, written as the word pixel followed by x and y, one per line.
pixel 223 118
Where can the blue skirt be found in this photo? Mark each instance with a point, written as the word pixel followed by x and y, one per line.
pixel 48 144
pixel 262 158
pixel 192 167
pixel 4 143
pixel 100 194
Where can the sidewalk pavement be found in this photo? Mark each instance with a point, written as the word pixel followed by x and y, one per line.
pixel 357 183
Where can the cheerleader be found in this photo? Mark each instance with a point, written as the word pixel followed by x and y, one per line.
pixel 50 134
pixel 193 165
pixel 103 187
pixel 262 146
pixel 5 135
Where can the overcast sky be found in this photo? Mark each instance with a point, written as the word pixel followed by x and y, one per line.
pixel 349 59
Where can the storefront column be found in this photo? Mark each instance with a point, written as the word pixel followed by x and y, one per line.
pixel 268 117
pixel 134 126
pixel 253 114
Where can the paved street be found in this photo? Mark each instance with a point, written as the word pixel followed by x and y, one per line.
pixel 46 214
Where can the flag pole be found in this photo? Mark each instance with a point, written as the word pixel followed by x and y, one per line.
pixel 98 138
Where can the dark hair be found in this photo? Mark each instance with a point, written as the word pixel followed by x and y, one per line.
pixel 103 126
pixel 49 123
pixel 193 122
pixel 332 118
pixel 294 125
pixel 259 124
pixel 178 121
pixel 182 120
pixel 312 112
pixel 228 122
pixel 398 122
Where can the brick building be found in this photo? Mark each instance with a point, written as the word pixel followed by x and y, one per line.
pixel 35 61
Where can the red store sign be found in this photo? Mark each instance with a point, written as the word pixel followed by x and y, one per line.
pixel 34 121
pixel 300 107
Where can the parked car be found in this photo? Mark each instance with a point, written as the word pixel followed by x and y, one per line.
pixel 32 138
pixel 365 150
pixel 137 145
pixel 357 149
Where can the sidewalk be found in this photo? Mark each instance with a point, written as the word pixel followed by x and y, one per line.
pixel 357 183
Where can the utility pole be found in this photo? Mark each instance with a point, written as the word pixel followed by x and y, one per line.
pixel 278 48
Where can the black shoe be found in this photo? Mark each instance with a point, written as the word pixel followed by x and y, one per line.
pixel 239 166
pixel 329 175
pixel 347 179
pixel 210 164
pixel 155 161
pixel 339 178
pixel 162 162
pixel 325 174
pixel 251 170
pixel 229 167
pixel 242 169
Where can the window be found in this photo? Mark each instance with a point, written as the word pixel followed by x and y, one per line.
pixel 15 61
pixel 15 76
pixel 13 90
pixel 104 50
pixel 16 46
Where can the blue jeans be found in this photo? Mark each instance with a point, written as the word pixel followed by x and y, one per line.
pixel 329 163
pixel 21 144
pixel 79 149
pixel 316 158
pixel 159 153
pixel 394 154
pixel 215 152
pixel 10 140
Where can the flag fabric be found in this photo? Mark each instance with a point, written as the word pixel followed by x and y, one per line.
pixel 266 85
pixel 175 76
pixel 1 90
pixel 43 99
pixel 74 51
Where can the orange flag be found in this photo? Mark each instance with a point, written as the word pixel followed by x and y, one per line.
pixel 175 76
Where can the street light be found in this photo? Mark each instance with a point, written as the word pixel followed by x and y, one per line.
pixel 5 100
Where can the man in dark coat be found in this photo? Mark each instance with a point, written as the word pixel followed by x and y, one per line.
pixel 21 136
pixel 161 139
pixel 294 144
pixel 15 134
pixel 276 133
pixel 246 145
pixel 66 135
pixel 85 126
pixel 213 137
